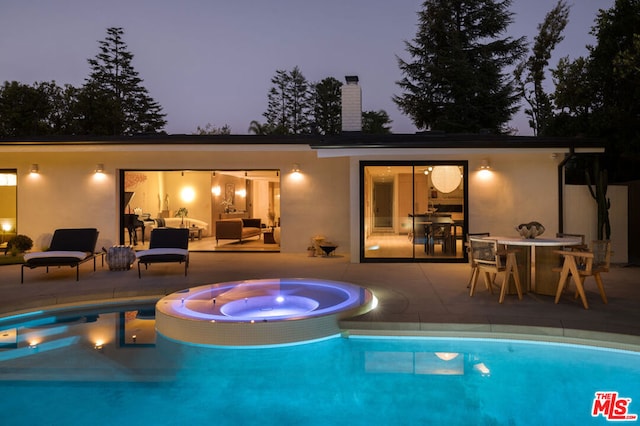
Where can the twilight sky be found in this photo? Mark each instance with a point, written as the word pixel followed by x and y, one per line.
pixel 211 61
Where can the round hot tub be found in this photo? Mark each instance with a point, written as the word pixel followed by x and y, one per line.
pixel 260 312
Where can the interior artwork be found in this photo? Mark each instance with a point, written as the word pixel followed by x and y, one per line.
pixel 198 199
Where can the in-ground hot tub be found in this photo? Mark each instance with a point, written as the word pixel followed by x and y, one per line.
pixel 260 312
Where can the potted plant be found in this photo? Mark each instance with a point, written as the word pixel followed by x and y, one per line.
pixel 182 213
pixel 19 244
pixel 226 205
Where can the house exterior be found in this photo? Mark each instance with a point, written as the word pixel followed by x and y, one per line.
pixel 317 186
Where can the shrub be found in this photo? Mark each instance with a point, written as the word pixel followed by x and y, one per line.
pixel 20 243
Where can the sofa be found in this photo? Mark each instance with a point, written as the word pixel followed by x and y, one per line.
pixel 175 222
pixel 238 229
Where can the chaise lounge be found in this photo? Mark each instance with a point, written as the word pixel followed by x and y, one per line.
pixel 69 247
pixel 166 245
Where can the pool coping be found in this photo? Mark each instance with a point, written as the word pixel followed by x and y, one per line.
pixel 351 327
pixel 494 331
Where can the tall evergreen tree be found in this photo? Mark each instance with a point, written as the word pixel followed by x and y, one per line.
pixel 289 105
pixel 113 100
pixel 456 80
pixel 530 73
pixel 327 106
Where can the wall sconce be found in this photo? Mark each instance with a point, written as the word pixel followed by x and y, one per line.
pixel 296 168
pixel 484 165
pixel 216 190
pixel 34 169
pixel 99 168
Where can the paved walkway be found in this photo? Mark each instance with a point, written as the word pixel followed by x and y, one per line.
pixel 421 298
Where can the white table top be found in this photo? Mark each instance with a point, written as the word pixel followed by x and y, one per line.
pixel 551 242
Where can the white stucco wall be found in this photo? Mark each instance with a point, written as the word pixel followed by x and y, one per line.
pixel 323 200
pixel 67 193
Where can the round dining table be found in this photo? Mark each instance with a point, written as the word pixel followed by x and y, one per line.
pixel 536 259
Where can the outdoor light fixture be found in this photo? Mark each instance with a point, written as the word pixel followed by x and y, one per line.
pixel 484 165
pixel 34 169
pixel 99 168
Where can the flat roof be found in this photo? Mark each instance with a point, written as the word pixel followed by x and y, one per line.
pixel 346 140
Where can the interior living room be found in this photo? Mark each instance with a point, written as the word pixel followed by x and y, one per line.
pixel 224 210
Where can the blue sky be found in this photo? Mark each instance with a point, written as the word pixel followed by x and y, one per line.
pixel 211 61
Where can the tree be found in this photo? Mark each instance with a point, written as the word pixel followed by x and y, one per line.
pixel 41 109
pixel 376 122
pixel 289 106
pixel 327 106
pixel 210 129
pixel 113 100
pixel 572 98
pixel 456 81
pixel 22 110
pixel 530 73
pixel 258 128
pixel 615 73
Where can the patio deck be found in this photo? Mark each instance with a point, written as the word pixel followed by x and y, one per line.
pixel 415 298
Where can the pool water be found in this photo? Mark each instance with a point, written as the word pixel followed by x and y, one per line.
pixel 65 379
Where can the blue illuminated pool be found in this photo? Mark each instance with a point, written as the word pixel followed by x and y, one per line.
pixel 106 366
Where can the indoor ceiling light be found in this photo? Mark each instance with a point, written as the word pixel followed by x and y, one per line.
pixel 446 178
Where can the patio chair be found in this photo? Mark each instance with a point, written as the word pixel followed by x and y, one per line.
pixel 166 245
pixel 69 247
pixel 583 264
pixel 581 246
pixel 474 266
pixel 490 261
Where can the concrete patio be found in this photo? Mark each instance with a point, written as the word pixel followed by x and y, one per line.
pixel 415 298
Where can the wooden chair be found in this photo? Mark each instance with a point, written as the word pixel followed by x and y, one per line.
pixel 489 260
pixel 583 264
pixel 472 264
pixel 582 245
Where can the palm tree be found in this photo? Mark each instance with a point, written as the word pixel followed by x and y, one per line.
pixel 258 128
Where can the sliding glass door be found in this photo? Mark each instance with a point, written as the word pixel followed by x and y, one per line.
pixel 413 211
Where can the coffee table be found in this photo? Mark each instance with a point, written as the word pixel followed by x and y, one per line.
pixel 195 232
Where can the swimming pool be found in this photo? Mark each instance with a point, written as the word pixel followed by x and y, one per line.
pixel 110 367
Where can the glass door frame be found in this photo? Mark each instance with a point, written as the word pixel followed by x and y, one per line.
pixel 463 164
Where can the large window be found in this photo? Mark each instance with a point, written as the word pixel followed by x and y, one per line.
pixel 198 199
pixel 413 211
pixel 8 201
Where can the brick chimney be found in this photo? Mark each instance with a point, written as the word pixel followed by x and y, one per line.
pixel 351 105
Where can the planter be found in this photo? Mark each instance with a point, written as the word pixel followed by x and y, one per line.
pixel 120 258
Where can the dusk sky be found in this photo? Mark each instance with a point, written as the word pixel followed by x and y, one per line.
pixel 208 61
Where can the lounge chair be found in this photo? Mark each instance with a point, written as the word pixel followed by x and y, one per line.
pixel 166 245
pixel 69 247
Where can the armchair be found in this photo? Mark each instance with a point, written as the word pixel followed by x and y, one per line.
pixel 489 260
pixel 582 264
